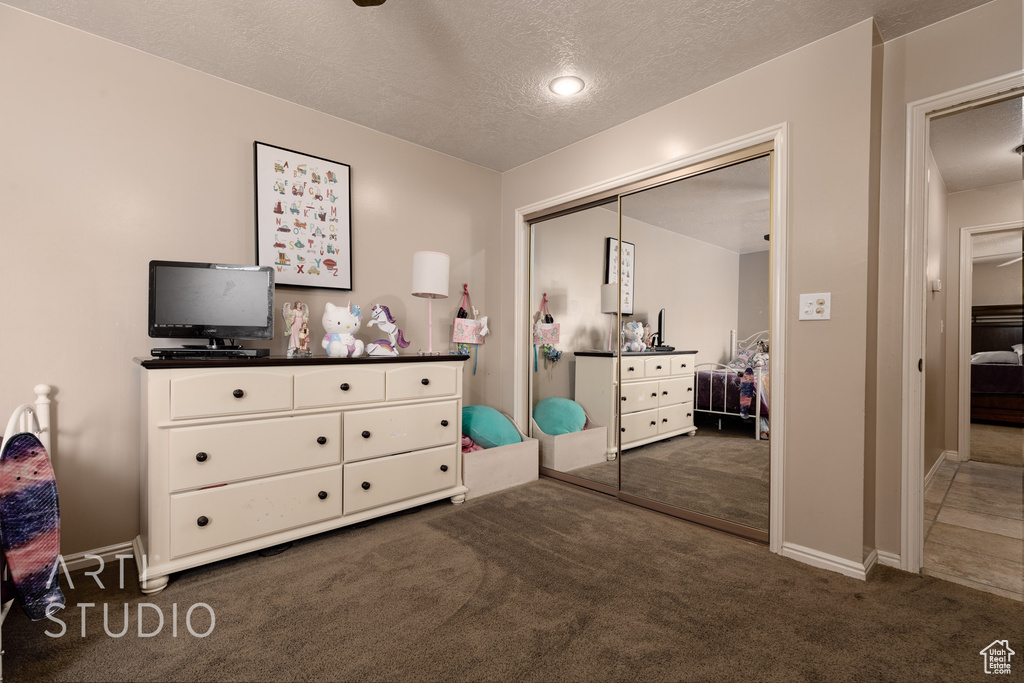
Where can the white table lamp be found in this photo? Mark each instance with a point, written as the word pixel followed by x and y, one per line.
pixel 610 304
pixel 430 281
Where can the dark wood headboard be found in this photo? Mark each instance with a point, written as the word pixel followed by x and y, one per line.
pixel 996 328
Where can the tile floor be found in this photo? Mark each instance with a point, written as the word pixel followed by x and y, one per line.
pixel 974 527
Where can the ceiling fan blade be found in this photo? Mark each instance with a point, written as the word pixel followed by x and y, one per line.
pixel 369 3
pixel 1019 258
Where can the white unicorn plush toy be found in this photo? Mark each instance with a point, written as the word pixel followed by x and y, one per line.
pixel 382 318
pixel 341 323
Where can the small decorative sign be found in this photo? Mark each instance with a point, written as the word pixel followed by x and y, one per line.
pixel 303 217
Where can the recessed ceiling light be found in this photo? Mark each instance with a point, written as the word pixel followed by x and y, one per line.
pixel 566 85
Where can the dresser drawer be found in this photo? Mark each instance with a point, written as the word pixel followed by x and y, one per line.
pixel 638 396
pixel 632 368
pixel 423 380
pixel 200 520
pixel 216 454
pixel 683 365
pixel 636 426
pixel 672 418
pixel 676 390
pixel 658 366
pixel 383 431
pixel 386 480
pixel 338 386
pixel 230 393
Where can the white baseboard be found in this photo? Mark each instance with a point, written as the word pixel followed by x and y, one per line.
pixel 945 455
pixel 816 558
pixel 887 559
pixel 92 558
pixel 870 561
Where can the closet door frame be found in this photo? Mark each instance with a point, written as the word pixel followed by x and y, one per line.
pixel 772 140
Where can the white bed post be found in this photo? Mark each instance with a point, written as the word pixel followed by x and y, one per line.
pixel 42 410
pixel 757 405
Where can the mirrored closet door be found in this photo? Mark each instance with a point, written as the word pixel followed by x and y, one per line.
pixel 696 416
pixel 660 292
pixel 568 270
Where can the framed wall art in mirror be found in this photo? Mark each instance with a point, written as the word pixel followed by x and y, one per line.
pixel 628 272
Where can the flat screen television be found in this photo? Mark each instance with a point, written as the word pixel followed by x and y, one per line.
pixel 212 301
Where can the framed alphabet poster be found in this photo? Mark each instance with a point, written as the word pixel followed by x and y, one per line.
pixel 303 217
pixel 628 272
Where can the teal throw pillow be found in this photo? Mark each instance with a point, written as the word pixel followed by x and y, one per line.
pixel 487 427
pixel 559 416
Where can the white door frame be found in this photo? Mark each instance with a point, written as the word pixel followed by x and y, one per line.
pixel 915 284
pixel 964 356
pixel 779 136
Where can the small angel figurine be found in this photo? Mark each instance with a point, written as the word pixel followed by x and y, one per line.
pixel 295 317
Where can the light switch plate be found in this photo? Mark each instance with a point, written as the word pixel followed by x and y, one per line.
pixel 816 306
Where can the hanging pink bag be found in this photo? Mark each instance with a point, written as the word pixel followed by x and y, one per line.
pixel 468 330
pixel 545 330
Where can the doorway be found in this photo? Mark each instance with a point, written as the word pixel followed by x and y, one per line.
pixel 972 517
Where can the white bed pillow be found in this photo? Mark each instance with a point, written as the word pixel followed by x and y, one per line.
pixel 995 358
pixel 1019 350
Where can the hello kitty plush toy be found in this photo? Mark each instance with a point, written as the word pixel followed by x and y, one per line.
pixel 633 334
pixel 341 323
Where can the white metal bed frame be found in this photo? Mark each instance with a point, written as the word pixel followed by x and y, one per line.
pixel 724 371
pixel 28 417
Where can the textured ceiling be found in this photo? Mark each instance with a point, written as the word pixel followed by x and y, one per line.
pixel 974 148
pixel 728 207
pixel 469 77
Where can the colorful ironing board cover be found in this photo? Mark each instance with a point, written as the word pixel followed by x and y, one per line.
pixel 30 524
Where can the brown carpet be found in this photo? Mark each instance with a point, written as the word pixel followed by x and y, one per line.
pixel 538 583
pixel 997 444
pixel 721 473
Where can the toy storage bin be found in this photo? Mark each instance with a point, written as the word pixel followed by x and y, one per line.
pixel 495 469
pixel 567 452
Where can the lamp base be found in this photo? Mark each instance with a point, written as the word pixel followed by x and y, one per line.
pixel 421 352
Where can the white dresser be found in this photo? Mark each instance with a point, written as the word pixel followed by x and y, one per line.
pixel 239 455
pixel 656 398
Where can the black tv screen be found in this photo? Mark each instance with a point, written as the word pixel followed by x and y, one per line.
pixel 210 300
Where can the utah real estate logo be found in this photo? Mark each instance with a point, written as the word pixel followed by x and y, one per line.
pixel 997 656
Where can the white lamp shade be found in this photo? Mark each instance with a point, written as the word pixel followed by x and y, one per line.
pixel 430 274
pixel 610 298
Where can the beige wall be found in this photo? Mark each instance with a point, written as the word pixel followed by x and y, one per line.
pixel 112 157
pixel 824 92
pixel 695 282
pixel 568 264
pixel 993 285
pixel 935 311
pixel 978 45
pixel 754 283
